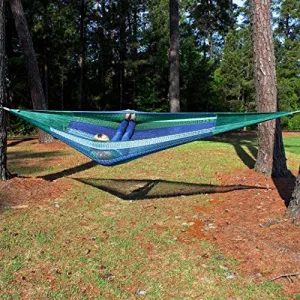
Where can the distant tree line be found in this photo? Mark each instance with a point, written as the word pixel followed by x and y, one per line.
pixel 110 55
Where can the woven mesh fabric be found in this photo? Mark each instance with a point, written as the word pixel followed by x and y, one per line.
pixel 153 132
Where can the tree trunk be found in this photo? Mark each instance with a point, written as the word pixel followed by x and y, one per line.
pixel 35 83
pixel 135 52
pixel 271 158
pixel 82 55
pixel 46 86
pixel 122 50
pixel 211 51
pixel 45 48
pixel 294 204
pixel 62 88
pixel 4 175
pixel 174 57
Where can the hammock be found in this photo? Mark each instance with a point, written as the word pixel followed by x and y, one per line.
pixel 153 132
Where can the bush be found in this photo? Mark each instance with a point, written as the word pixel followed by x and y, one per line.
pixel 19 127
pixel 294 122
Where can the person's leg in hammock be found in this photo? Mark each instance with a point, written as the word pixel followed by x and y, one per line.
pixel 100 137
pixel 121 129
pixel 130 129
pixel 123 133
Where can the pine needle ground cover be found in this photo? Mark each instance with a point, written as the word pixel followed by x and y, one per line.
pixel 193 222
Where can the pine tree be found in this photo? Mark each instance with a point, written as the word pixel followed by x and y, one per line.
pixel 36 89
pixel 236 71
pixel 213 19
pixel 271 158
pixel 3 134
pixel 174 57
pixel 287 35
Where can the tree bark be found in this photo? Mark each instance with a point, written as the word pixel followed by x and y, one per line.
pixel 122 53
pixel 135 52
pixel 271 158
pixel 294 204
pixel 35 83
pixel 82 54
pixel 62 105
pixel 174 57
pixel 46 86
pixel 45 48
pixel 4 175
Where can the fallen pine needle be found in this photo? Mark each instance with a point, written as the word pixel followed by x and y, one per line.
pixel 288 276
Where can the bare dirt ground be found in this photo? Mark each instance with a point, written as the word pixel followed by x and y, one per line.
pixel 250 228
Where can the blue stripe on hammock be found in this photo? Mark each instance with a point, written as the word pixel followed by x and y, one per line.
pixel 115 157
pixel 140 134
pixel 91 128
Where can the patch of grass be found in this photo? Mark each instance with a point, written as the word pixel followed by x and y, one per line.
pixel 292 144
pixel 43 237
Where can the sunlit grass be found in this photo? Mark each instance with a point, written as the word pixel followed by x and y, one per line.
pixel 292 144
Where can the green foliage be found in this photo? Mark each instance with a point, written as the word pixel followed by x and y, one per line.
pixel 148 99
pixel 125 45
pixel 287 46
pixel 288 93
pixel 294 123
pixel 213 19
pixel 197 75
pixel 236 84
pixel 19 127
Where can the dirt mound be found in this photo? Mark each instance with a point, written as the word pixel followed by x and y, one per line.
pixel 24 192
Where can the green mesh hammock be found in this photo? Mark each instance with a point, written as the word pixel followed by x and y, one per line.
pixel 153 131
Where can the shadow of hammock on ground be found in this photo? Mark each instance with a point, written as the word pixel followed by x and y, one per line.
pixel 134 189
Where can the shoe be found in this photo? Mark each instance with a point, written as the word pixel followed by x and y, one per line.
pixel 132 117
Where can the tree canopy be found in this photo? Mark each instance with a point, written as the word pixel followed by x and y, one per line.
pixel 108 55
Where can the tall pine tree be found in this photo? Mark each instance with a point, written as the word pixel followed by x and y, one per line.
pixel 3 133
pixel 271 158
pixel 35 83
pixel 174 57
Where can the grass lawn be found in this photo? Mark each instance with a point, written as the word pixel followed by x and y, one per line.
pixel 91 232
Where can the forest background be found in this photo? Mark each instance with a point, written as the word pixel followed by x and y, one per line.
pixel 111 55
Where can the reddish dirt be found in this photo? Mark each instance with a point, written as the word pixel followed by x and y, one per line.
pixel 290 133
pixel 22 192
pixel 243 226
pixel 27 192
pixel 55 145
pixel 254 133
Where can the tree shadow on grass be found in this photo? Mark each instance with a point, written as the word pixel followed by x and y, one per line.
pixel 68 172
pixel 239 141
pixel 136 189
pixel 17 141
pixel 247 159
pixel 31 162
pixel 17 155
